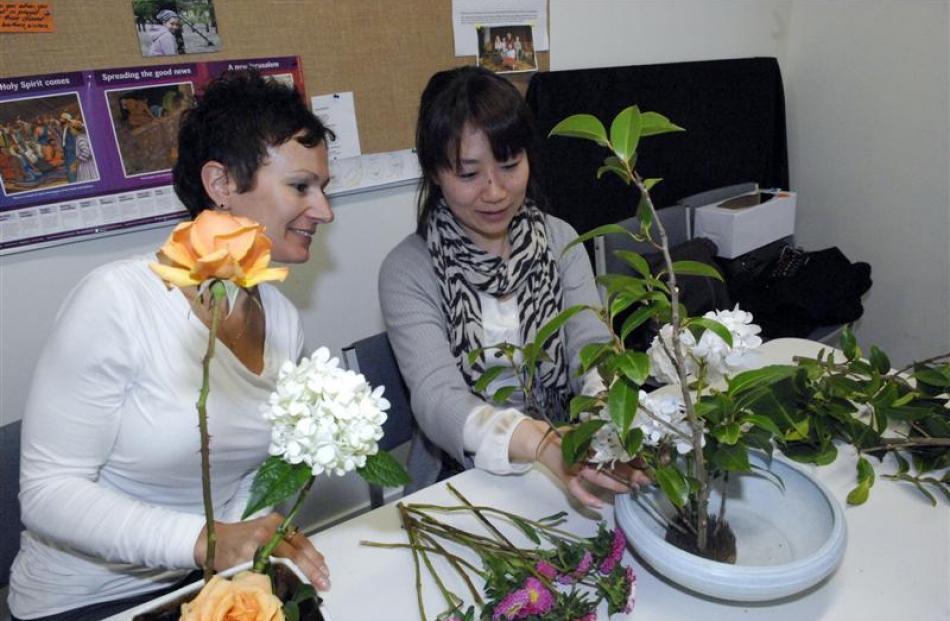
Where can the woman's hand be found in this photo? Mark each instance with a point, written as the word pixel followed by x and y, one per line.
pixel 531 440
pixel 237 542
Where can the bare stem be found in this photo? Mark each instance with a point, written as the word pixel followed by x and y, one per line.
pixel 262 554
pixel 218 294
pixel 679 357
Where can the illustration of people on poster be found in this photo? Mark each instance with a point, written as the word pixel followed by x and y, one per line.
pixel 86 152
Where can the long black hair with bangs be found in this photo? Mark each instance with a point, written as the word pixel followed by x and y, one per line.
pixel 484 101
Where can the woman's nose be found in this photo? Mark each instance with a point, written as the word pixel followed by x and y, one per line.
pixel 319 209
pixel 494 191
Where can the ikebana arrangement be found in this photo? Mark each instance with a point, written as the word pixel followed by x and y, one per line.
pixel 694 435
pixel 566 581
pixel 325 420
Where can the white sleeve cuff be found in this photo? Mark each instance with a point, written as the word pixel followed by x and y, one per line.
pixel 487 434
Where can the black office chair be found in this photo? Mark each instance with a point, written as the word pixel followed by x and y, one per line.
pixel 373 357
pixel 9 501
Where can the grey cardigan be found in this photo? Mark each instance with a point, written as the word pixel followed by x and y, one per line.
pixel 441 399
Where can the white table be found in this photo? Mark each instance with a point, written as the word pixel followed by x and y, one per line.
pixel 897 564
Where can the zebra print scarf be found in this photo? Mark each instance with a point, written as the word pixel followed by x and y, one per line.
pixel 531 274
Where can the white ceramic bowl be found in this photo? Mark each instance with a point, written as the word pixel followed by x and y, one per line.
pixel 787 540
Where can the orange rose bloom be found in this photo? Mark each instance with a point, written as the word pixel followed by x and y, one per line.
pixel 247 597
pixel 217 245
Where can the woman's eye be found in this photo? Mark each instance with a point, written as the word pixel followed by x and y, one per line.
pixel 467 175
pixel 300 187
pixel 511 165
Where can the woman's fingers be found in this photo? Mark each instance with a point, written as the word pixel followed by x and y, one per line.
pixel 299 549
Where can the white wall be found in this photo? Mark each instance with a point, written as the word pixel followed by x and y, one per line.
pixel 866 86
pixel 867 91
pixel 608 33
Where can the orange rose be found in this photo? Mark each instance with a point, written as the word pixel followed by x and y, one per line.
pixel 217 245
pixel 247 597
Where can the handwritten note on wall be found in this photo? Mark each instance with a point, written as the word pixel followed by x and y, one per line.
pixel 25 17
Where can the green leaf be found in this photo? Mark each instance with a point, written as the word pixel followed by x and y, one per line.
pixel 550 328
pixel 593 353
pixel 583 403
pixel 382 469
pixel 849 344
pixel 622 402
pixel 634 260
pixel 597 232
pixel 654 123
pixel 766 376
pixel 625 133
pixel 503 394
pixel 635 366
pixel 575 442
pixel 635 320
pixel 879 360
pixel 488 377
pixel 527 529
pixel 303 593
pixel 633 442
pixel 275 481
pixel 652 181
pixel 645 214
pixel 728 433
pixel 763 422
pixel 695 268
pixel 733 458
pixel 714 326
pixel 859 494
pixel 585 126
pixel 673 484
pixel 291 611
pixel 612 164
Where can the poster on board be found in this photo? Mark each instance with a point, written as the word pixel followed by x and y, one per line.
pixel 170 28
pixel 91 152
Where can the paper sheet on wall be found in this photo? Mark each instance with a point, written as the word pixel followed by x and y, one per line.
pixel 467 14
pixel 338 112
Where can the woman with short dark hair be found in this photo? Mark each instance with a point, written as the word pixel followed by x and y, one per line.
pixel 110 474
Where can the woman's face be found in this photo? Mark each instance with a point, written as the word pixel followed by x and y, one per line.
pixel 482 193
pixel 288 199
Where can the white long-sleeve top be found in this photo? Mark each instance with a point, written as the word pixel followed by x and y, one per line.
pixel 488 429
pixel 110 483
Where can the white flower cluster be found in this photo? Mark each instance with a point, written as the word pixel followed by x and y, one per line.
pixel 324 416
pixel 711 351
pixel 660 416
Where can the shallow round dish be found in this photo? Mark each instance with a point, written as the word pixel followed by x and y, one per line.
pixel 787 540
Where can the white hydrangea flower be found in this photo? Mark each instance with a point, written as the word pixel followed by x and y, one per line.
pixel 719 359
pixel 722 360
pixel 668 423
pixel 661 363
pixel 326 417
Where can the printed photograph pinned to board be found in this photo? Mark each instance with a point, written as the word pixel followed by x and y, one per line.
pixel 145 124
pixel 43 144
pixel 507 49
pixel 173 28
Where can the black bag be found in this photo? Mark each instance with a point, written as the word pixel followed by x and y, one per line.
pixel 799 291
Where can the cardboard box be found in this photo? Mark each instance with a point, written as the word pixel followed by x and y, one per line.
pixel 738 225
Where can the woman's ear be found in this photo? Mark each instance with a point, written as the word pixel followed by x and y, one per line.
pixel 217 183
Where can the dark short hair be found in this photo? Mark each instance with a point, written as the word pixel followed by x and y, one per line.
pixel 485 101
pixel 238 116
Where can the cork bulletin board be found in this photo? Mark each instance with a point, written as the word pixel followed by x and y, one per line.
pixel 382 50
